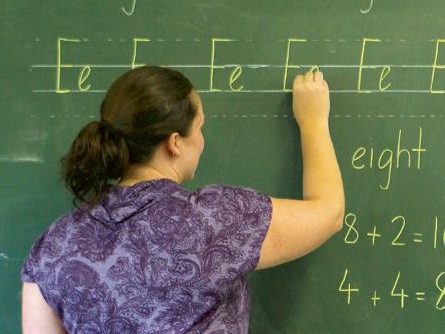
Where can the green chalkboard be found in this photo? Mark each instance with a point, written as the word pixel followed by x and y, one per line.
pixel 385 63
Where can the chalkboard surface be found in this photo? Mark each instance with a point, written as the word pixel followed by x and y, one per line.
pixel 385 63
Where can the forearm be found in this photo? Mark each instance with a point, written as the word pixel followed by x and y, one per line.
pixel 322 181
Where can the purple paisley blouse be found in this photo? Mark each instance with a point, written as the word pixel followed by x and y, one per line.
pixel 153 258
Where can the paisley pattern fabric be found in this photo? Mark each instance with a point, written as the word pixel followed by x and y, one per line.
pixel 153 258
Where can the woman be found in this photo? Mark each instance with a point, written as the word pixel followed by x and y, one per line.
pixel 141 254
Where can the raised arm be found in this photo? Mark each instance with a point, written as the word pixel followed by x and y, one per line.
pixel 300 226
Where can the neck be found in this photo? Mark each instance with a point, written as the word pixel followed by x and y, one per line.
pixel 140 172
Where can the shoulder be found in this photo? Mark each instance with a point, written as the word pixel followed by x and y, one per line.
pixel 56 231
pixel 222 194
pixel 48 245
pixel 227 205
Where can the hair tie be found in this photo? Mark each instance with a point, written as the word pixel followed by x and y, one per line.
pixel 106 126
pixel 105 123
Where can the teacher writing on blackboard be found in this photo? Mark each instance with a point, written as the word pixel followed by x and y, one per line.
pixel 142 254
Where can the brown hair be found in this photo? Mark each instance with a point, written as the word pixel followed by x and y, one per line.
pixel 142 108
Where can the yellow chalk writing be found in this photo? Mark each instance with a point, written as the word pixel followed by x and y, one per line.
pixel 84 74
pixel 383 75
pixel 240 77
pixel 435 67
pixel 60 65
pixel 136 42
pixel 236 73
pixel 363 157
pixel 212 61
pixel 287 66
pixel 362 57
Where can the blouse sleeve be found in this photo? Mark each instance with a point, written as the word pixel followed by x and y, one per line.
pixel 238 220
pixel 28 268
pixel 47 247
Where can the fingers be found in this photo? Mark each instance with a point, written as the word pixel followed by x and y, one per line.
pixel 309 78
pixel 315 76
pixel 299 79
pixel 318 76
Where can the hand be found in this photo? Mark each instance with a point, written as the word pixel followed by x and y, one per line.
pixel 310 99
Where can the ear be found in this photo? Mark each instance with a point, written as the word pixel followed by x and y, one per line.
pixel 173 144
